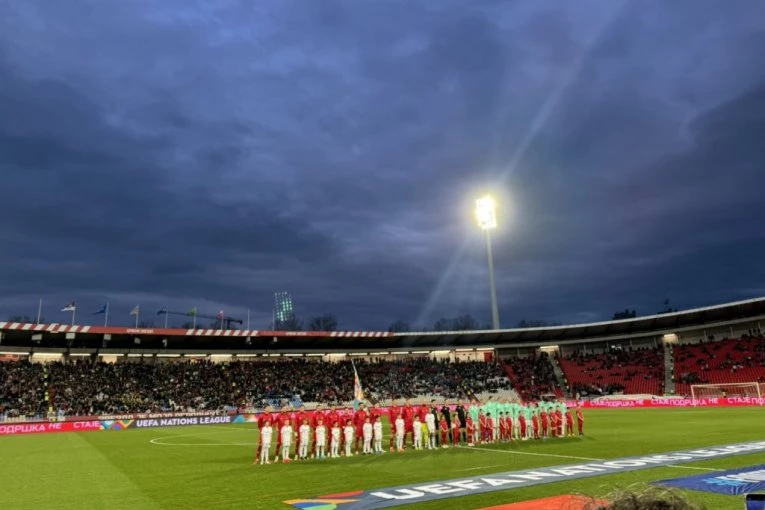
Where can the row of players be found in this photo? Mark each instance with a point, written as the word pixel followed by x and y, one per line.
pixel 460 424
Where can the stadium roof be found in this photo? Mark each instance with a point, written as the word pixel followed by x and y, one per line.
pixel 126 338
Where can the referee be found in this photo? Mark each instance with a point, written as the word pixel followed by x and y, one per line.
pixel 462 418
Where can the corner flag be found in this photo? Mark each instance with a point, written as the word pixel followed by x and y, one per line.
pixel 358 392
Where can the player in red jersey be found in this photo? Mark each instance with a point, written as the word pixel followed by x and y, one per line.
pixel 502 427
pixel 470 431
pixel 317 415
pixel 482 426
pixel 346 414
pixel 408 413
pixel 569 423
pixel 301 415
pixel 559 421
pixel 444 428
pixel 359 419
pixel 274 417
pixel 553 424
pixel 535 425
pixel 522 421
pixel 544 422
pixel 375 414
pixel 281 420
pixel 332 417
pixel 580 420
pixel 393 412
pixel 422 412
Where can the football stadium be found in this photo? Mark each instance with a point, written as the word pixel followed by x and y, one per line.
pixel 547 417
pixel 382 254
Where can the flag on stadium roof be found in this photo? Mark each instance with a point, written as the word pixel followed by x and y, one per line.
pixel 161 311
pixel 103 310
pixel 69 307
pixel 220 314
pixel 193 312
pixel 358 392
pixel 135 311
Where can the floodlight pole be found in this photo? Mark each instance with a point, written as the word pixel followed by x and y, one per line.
pixel 492 285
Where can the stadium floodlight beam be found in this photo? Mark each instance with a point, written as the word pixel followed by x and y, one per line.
pixel 486 216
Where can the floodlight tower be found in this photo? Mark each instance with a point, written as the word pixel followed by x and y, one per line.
pixel 486 216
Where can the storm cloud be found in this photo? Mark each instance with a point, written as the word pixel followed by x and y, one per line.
pixel 210 153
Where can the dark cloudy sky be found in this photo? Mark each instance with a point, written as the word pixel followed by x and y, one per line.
pixel 208 153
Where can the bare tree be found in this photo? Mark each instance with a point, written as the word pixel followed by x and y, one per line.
pixel 25 319
pixel 324 322
pixel 291 324
pixel 399 326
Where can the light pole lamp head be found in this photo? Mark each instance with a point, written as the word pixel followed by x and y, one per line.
pixel 486 213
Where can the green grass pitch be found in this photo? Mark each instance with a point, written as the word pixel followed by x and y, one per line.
pixel 208 467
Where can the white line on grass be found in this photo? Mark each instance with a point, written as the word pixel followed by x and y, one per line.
pixel 202 444
pixel 157 440
pixel 481 467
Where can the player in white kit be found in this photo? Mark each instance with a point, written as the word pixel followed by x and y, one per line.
pixel 286 437
pixel 334 445
pixel 400 431
pixel 367 433
pixel 320 439
pixel 348 437
pixel 305 437
pixel 265 442
pixel 430 422
pixel 417 426
pixel 378 433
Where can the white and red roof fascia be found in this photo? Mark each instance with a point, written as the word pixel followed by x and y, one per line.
pixel 102 330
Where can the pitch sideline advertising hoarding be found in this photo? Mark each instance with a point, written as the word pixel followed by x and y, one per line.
pixel 8 429
pixel 671 402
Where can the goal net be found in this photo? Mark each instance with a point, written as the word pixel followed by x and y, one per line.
pixel 751 389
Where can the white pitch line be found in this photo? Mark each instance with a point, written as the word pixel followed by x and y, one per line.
pixel 200 433
pixel 481 467
pixel 202 444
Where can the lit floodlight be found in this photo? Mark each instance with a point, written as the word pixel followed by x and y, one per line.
pixel 486 217
pixel 486 213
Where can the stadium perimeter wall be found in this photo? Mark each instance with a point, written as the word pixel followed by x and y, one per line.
pixel 140 421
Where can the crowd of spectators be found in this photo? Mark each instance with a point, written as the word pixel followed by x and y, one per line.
pixel 534 376
pixel 22 390
pixel 85 387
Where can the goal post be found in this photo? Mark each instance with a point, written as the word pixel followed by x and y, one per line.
pixel 750 389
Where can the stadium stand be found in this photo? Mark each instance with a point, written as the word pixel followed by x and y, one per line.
pixel 87 388
pixel 620 371
pixel 723 361
pixel 22 390
pixel 532 376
